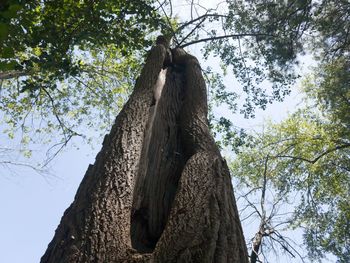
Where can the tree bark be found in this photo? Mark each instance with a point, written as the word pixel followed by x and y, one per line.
pixel 159 190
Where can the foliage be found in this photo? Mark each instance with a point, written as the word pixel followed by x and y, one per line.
pixel 42 36
pixel 329 86
pixel 68 66
pixel 308 162
pixel 308 154
pixel 226 134
pixel 46 44
pixel 265 38
pixel 76 105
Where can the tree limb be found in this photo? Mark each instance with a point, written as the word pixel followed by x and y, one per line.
pixel 205 16
pixel 12 74
pixel 225 36
pixel 316 158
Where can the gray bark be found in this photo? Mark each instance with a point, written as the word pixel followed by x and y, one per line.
pixel 159 190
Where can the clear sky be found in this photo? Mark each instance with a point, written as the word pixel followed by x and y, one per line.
pixel 32 204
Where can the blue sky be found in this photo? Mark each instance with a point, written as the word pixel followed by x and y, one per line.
pixel 32 204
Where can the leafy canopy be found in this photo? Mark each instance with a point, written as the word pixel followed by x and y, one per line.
pixel 49 47
pixel 68 66
pixel 308 161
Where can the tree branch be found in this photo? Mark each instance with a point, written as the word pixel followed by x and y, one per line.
pixel 12 74
pixel 190 33
pixel 27 165
pixel 64 129
pixel 318 157
pixel 225 36
pixel 205 16
pixel 169 22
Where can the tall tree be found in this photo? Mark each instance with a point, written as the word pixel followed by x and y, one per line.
pixel 159 189
pixel 305 158
pixel 260 40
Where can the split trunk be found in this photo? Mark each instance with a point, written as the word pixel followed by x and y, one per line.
pixel 159 190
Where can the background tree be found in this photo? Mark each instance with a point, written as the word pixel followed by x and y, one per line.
pixel 309 137
pixel 308 162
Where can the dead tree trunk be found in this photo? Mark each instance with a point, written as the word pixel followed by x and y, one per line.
pixel 159 190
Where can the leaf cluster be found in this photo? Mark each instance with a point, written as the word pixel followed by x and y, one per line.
pixel 68 66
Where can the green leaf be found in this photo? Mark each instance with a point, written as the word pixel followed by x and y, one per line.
pixel 7 52
pixel 11 11
pixel 7 65
pixel 3 31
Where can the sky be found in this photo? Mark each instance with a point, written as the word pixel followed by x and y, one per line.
pixel 32 204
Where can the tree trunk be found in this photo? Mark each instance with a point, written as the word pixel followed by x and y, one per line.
pixel 159 190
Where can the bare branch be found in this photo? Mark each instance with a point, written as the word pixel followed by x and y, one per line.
pixel 263 190
pixel 192 9
pixel 284 246
pixel 12 74
pixel 64 129
pixel 171 8
pixel 223 37
pixel 316 158
pixel 205 16
pixel 87 86
pixel 249 192
pixel 190 33
pixel 248 216
pixel 287 246
pixel 169 22
pixel 258 238
pixel 62 145
pixel 252 205
pixel 23 164
pixel 274 206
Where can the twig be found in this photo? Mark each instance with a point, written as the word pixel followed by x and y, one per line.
pixel 12 74
pixel 63 144
pixel 169 23
pixel 27 165
pixel 196 19
pixel 190 33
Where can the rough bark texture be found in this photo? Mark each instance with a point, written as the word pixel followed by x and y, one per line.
pixel 159 190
